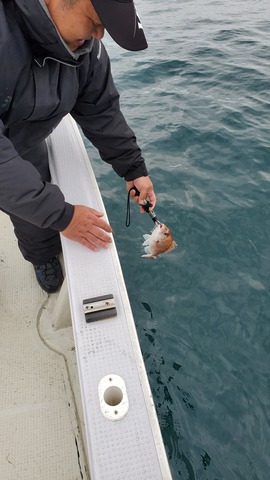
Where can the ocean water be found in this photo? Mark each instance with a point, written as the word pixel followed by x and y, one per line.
pixel 199 102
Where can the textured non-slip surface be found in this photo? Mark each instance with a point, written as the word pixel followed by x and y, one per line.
pixel 131 447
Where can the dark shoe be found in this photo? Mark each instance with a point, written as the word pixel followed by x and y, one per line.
pixel 49 275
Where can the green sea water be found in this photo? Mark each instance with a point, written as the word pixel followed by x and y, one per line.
pixel 199 102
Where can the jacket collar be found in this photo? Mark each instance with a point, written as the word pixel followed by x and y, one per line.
pixel 38 27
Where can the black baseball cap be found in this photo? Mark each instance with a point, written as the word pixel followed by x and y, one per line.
pixel 120 19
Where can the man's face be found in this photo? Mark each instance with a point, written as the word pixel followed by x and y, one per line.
pixel 75 23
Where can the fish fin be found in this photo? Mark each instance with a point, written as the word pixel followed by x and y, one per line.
pixel 172 247
pixel 149 255
pixel 147 249
pixel 146 236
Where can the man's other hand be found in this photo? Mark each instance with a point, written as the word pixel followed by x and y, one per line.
pixel 88 228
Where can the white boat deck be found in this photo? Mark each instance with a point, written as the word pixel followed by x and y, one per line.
pixel 63 414
pixel 39 418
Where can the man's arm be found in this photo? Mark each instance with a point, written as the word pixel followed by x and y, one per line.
pixel 98 113
pixel 24 194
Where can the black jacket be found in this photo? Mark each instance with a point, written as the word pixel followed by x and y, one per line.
pixel 40 82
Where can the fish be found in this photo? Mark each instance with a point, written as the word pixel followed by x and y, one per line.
pixel 160 241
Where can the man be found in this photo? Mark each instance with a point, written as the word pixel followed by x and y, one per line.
pixel 53 63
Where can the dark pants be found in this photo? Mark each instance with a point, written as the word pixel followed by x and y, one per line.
pixel 38 245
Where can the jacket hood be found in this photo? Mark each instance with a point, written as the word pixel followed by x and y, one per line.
pixel 37 25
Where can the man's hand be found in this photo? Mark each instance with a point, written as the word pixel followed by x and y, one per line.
pixel 87 227
pixel 146 189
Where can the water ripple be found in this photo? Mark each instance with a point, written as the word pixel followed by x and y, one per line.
pixel 199 100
